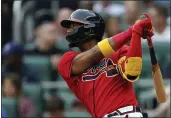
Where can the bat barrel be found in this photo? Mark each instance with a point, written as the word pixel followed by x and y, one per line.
pixel 156 74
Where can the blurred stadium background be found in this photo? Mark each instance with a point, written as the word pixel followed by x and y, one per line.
pixel 33 41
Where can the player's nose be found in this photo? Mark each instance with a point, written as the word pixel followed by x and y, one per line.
pixel 69 30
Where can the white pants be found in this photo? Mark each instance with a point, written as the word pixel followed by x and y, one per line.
pixel 126 109
pixel 135 114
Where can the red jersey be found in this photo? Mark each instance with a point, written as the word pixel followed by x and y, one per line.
pixel 101 88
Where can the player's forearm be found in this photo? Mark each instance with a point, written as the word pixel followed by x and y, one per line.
pixel 120 39
pixel 135 48
pixel 105 48
pixel 133 63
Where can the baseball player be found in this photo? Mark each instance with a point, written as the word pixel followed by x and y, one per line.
pixel 102 73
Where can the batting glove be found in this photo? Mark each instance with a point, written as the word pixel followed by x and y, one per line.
pixel 144 23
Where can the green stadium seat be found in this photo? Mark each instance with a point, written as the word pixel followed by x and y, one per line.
pixel 143 84
pixel 146 99
pixel 59 85
pixel 29 46
pixel 41 64
pixel 162 51
pixel 145 48
pixel 161 48
pixel 77 114
pixel 164 60
pixel 34 92
pixel 63 45
pixel 68 97
pixel 65 93
pixel 146 67
pixel 59 77
pixel 11 107
pixel 62 90
pixel 145 92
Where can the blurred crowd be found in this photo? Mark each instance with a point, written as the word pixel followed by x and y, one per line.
pixel 33 41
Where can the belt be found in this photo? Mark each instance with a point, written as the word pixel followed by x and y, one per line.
pixel 124 110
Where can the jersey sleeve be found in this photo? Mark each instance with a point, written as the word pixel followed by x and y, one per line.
pixel 123 51
pixel 65 64
pixel 122 55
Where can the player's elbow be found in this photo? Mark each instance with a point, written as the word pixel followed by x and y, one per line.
pixel 133 67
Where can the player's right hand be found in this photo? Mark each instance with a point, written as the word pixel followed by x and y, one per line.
pixel 146 32
pixel 143 23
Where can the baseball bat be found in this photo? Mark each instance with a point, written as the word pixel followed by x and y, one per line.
pixel 156 74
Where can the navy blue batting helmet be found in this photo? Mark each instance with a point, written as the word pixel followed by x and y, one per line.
pixel 92 26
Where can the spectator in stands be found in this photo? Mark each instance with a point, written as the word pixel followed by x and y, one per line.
pixel 77 106
pixel 43 4
pixel 3 113
pixel 86 4
pixel 109 7
pixel 132 12
pixel 7 19
pixel 64 13
pixel 12 54
pixel 71 4
pixel 45 39
pixel 12 87
pixel 45 34
pixel 164 3
pixel 162 110
pixel 166 71
pixel 113 26
pixel 159 15
pixel 55 107
pixel 146 3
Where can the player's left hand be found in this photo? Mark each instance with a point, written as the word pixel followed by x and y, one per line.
pixel 143 24
pixel 146 32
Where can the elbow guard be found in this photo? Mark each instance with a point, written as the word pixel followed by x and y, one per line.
pixel 133 67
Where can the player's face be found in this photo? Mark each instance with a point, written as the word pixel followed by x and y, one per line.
pixel 74 25
pixel 86 45
pixel 8 88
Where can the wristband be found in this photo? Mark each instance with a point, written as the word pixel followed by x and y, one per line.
pixel 105 48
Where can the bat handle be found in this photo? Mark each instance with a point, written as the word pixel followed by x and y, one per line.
pixel 149 41
pixel 152 52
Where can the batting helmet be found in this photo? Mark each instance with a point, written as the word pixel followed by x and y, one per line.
pixel 12 48
pixel 91 27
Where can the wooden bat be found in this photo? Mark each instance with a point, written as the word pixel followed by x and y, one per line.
pixel 156 74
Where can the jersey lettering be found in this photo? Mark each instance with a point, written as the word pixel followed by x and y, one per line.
pixel 105 66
